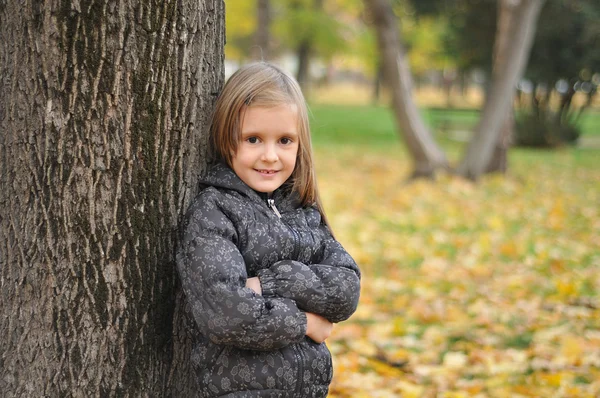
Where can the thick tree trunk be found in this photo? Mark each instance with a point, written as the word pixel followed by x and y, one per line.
pixel 427 156
pixel 103 116
pixel 261 49
pixel 480 149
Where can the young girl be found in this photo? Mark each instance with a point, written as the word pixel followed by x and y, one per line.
pixel 262 273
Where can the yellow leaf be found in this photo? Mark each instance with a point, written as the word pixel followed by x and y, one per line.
pixel 485 242
pixel 572 349
pixel 410 390
pixel 495 223
pixel 566 288
pixel 509 249
pixel 399 327
pixel 363 347
pixel 553 379
pixel 455 360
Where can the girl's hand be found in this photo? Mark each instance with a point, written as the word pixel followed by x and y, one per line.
pixel 317 327
pixel 254 284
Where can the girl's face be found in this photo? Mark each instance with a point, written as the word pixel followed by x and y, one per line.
pixel 268 147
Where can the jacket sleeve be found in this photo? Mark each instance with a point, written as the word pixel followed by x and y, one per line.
pixel 330 288
pixel 213 276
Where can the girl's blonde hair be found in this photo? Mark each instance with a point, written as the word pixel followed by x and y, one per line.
pixel 265 85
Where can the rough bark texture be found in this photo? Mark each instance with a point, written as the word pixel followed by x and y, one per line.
pixel 103 115
pixel 522 31
pixel 427 156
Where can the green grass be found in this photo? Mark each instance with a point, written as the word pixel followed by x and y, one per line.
pixel 374 128
pixel 590 123
pixel 375 125
pixel 343 124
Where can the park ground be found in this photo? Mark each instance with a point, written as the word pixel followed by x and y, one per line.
pixel 468 290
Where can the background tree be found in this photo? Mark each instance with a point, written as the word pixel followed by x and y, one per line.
pixel 565 60
pixel 518 29
pixel 498 161
pixel 103 115
pixel 262 36
pixel 426 154
pixel 464 30
pixel 505 76
pixel 309 29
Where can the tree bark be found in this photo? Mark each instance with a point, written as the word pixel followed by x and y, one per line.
pixel 499 160
pixel 499 100
pixel 426 155
pixel 506 16
pixel 261 49
pixel 104 109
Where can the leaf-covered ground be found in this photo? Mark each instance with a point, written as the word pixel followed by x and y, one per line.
pixel 487 290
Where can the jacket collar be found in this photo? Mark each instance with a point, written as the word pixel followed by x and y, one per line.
pixel 220 175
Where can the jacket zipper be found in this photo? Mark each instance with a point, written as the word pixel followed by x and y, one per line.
pixel 271 203
pixel 297 348
pixel 300 368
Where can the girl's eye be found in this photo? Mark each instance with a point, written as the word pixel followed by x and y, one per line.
pixel 252 140
pixel 285 141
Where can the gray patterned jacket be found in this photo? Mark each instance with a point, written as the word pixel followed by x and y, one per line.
pixel 253 345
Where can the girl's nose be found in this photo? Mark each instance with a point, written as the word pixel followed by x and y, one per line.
pixel 270 153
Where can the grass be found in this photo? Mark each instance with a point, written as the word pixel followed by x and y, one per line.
pixel 590 123
pixel 374 125
pixel 343 124
pixel 487 289
pixel 373 128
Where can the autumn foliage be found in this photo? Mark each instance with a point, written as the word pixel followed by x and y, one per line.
pixel 487 290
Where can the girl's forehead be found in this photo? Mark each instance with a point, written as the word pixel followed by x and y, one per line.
pixel 282 107
pixel 269 114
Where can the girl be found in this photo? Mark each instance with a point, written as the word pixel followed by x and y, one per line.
pixel 262 273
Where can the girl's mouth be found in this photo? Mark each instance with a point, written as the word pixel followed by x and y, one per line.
pixel 266 171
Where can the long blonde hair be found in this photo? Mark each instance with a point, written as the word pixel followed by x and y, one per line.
pixel 265 85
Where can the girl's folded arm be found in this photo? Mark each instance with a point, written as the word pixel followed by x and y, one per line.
pixel 330 288
pixel 213 276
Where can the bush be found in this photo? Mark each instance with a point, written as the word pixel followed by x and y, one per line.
pixel 546 130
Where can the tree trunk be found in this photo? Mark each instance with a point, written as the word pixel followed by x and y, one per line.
pixel 506 15
pixel 427 156
pixel 302 74
pixel 499 160
pixel 305 49
pixel 104 111
pixel 377 84
pixel 499 100
pixel 261 49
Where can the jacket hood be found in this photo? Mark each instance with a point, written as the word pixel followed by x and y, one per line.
pixel 219 175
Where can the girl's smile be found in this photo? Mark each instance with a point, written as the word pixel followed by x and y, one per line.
pixel 266 153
